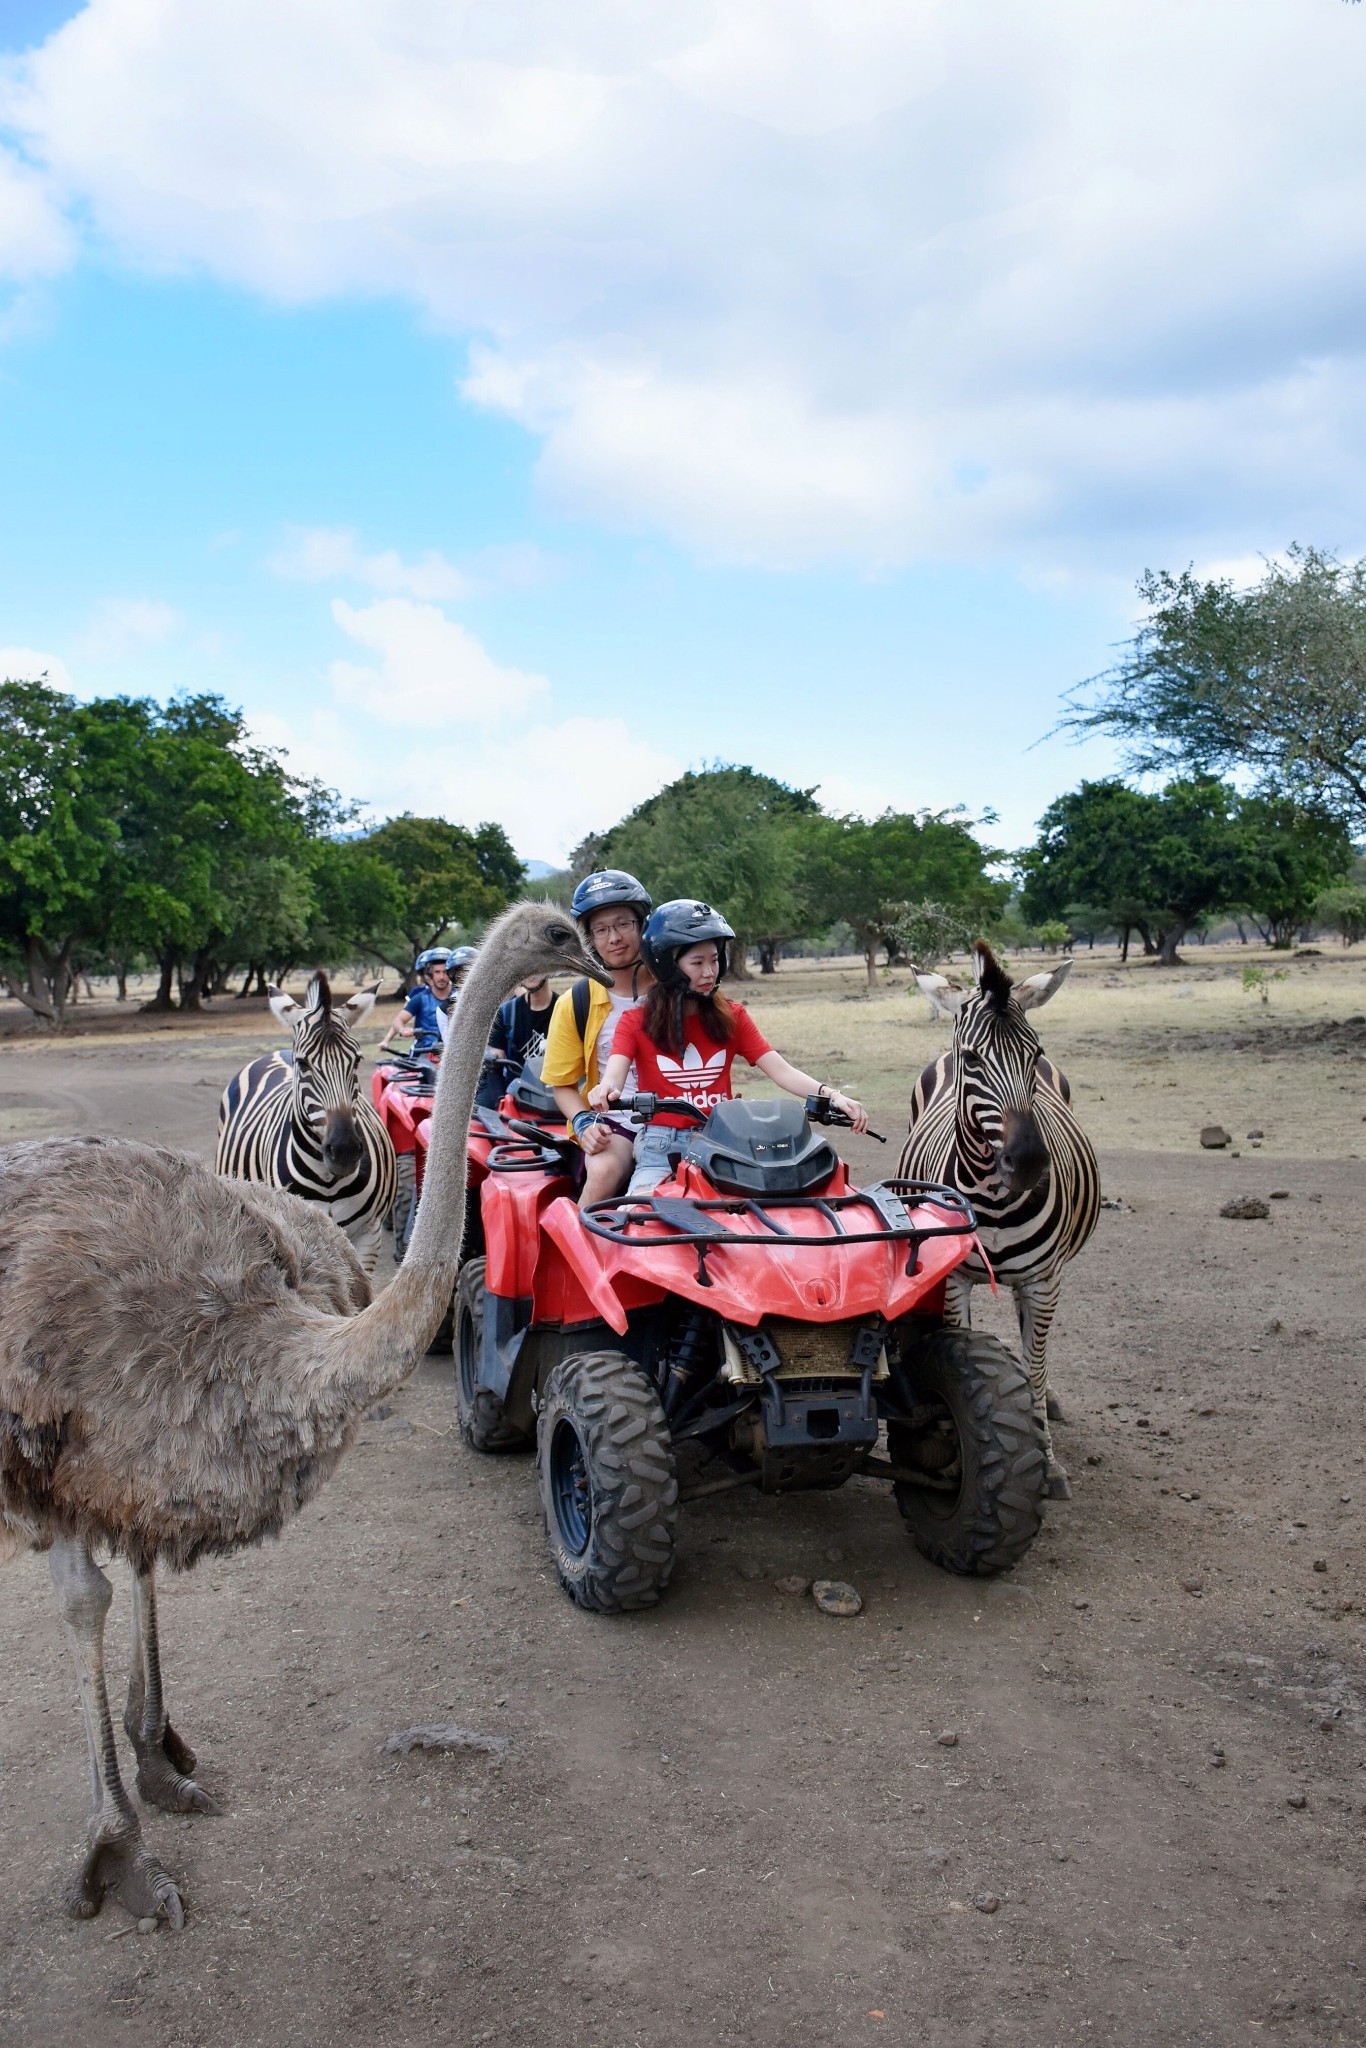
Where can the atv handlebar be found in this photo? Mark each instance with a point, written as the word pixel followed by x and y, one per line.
pixel 821 1110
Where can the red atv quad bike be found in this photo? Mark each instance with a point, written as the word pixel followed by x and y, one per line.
pixel 757 1321
pixel 403 1089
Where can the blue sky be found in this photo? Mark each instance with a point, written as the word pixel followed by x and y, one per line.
pixel 512 410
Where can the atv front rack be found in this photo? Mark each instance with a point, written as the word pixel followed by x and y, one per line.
pixel 696 1220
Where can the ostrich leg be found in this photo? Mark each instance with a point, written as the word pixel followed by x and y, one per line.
pixel 165 1763
pixel 115 1859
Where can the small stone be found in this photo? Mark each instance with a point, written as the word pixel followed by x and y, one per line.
pixel 1320 1564
pixel 1094 1458
pixel 1196 1586
pixel 1081 1605
pixel 748 1569
pixel 1326 1724
pixel 1217 1759
pixel 833 1596
pixel 936 1858
pixel 148 1924
pixel 379 1413
pixel 1214 1137
pixel 1279 1195
pixel 1246 1209
pixel 1142 1422
pixel 948 1740
pixel 1298 1800
pixel 792 1585
pixel 1256 1134
pixel 1062 1855
pixel 987 1902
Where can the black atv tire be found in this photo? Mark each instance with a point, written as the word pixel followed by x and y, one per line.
pixel 986 1415
pixel 480 1412
pixel 405 1201
pixel 609 1482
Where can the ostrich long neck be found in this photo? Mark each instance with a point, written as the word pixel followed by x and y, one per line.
pixel 382 1345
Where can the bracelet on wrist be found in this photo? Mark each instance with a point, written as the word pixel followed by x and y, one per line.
pixel 580 1120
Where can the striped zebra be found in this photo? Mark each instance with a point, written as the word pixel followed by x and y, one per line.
pixel 297 1120
pixel 992 1118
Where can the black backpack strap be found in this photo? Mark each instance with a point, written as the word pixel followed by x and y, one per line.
pixel 579 997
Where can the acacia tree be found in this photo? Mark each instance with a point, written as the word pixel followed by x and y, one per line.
pixel 1302 849
pixel 1271 679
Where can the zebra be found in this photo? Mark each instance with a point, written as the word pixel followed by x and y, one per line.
pixel 297 1120
pixel 992 1118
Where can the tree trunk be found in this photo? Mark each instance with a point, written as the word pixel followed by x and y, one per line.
pixel 1171 939
pixel 768 956
pixel 121 979
pixel 870 962
pixel 245 989
pixel 193 991
pixel 162 999
pixel 1124 945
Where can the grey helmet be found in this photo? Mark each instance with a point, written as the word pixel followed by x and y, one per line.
pixel 430 957
pixel 674 927
pixel 460 956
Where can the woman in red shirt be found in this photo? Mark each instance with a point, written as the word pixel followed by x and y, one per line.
pixel 684 1038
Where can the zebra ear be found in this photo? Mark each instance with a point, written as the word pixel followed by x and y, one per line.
pixel 285 1007
pixel 945 997
pixel 361 1004
pixel 1037 990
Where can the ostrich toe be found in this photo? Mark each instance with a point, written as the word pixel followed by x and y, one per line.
pixel 128 1870
pixel 161 1784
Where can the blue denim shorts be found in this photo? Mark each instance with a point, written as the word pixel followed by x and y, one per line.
pixel 652 1158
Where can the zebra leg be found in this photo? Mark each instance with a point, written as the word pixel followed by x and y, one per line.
pixel 958 1299
pixel 1037 1303
pixel 366 1236
pixel 165 1763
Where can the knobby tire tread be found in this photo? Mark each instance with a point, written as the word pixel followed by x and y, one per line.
pixel 632 1475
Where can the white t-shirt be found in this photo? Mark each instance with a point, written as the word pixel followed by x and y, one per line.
pixel 620 1005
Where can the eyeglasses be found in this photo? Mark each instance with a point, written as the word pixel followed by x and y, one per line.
pixel 619 928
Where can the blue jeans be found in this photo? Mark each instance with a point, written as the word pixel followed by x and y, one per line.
pixel 652 1162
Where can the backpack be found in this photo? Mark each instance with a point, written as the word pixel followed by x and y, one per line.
pixel 579 997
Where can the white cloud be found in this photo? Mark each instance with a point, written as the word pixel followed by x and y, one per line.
pixel 329 554
pixel 432 671
pixel 32 665
pixel 788 279
pixel 124 625
pixel 332 554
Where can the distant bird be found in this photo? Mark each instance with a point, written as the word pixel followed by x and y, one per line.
pixel 183 1360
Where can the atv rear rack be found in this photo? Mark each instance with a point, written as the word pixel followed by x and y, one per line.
pixel 691 1219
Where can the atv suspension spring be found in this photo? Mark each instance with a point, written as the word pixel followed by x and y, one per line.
pixel 687 1356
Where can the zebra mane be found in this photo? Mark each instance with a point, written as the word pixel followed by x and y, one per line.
pixel 992 980
pixel 319 996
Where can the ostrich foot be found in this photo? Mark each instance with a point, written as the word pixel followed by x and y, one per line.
pixel 128 1870
pixel 1055 1409
pixel 164 1776
pixel 1056 1483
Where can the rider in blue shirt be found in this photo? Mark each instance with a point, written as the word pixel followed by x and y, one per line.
pixel 423 1017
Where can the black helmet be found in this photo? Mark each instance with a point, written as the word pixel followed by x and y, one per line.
pixel 604 890
pixel 674 927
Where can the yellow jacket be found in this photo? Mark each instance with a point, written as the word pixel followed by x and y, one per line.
pixel 571 1061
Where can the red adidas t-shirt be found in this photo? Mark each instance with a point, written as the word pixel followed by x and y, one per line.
pixel 703 1073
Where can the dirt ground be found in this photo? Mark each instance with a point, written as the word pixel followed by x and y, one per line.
pixel 731 1819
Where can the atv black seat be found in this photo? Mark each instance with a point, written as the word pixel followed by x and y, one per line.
pixel 533 1098
pixel 759 1148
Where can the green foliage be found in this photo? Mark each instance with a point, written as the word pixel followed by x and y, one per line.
pixel 867 870
pixel 1157 862
pixel 731 836
pixel 1343 910
pixel 1272 679
pixel 446 875
pixel 1258 980
pixel 1301 849
pixel 927 932
pixel 1054 934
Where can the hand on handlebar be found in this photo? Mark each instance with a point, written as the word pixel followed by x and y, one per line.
pixel 603 1097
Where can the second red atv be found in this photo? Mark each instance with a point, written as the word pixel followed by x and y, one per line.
pixel 756 1321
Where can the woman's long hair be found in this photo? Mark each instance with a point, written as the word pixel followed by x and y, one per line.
pixel 665 1009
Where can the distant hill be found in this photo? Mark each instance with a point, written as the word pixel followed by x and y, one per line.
pixel 537 870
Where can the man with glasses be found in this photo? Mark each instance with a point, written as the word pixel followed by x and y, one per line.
pixel 610 908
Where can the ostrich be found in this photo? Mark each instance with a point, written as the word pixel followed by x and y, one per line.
pixel 183 1360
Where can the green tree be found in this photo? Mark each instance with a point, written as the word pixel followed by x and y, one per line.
pixel 446 875
pixel 1272 679
pixel 867 870
pixel 731 836
pixel 1344 910
pixel 1158 862
pixel 58 845
pixel 927 932
pixel 1302 848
